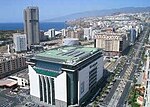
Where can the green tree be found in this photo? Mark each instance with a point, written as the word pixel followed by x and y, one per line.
pixel 94 104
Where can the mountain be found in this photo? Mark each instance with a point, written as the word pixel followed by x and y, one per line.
pixel 98 13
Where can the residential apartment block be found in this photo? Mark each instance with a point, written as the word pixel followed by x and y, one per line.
pixel 112 43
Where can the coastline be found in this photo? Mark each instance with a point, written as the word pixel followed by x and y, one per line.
pixel 43 26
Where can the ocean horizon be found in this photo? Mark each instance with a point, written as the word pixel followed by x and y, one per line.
pixel 43 26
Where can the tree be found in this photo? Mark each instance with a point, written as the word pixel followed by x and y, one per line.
pixel 94 104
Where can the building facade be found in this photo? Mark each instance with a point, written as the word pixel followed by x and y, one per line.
pixel 73 33
pixel 31 25
pixel 50 33
pixel 11 64
pixel 88 33
pixel 132 36
pixel 20 42
pixel 112 43
pixel 65 76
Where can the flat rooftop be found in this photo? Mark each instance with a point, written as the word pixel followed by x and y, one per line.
pixel 66 54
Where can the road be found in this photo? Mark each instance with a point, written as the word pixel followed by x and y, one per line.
pixel 135 61
pixel 119 92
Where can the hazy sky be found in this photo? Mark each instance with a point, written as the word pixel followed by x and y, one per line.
pixel 12 10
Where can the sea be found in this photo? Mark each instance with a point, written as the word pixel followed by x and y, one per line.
pixel 43 26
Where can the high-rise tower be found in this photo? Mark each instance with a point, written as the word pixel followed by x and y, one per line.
pixel 31 25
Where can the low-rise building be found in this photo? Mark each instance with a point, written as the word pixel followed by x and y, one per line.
pixel 10 64
pixel 20 81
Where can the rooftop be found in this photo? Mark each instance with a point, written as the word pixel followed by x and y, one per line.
pixel 67 55
pixel 112 33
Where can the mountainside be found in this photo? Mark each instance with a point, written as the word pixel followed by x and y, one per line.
pixel 98 13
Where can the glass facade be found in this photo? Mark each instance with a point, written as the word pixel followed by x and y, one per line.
pixel 72 88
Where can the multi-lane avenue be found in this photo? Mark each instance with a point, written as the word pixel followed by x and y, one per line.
pixel 119 92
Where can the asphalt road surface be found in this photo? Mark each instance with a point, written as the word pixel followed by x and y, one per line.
pixel 134 58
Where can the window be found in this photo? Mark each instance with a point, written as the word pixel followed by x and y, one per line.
pixel 82 87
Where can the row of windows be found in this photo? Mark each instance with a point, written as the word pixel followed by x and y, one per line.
pixel 93 65
pixel 47 89
pixel 92 77
pixel 93 71
pixel 92 80
pixel 50 66
pixel 82 87
pixel 92 84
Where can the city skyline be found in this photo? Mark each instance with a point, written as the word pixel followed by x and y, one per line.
pixel 12 10
pixel 75 53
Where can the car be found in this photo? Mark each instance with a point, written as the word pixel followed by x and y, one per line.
pixel 109 86
pixel 101 100
pixel 111 83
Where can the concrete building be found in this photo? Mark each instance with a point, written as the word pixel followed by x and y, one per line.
pixel 10 64
pixel 74 33
pixel 42 36
pixel 132 36
pixel 31 25
pixel 79 33
pixel 70 41
pixel 50 33
pixel 63 33
pixel 20 42
pixel 88 33
pixel 65 76
pixel 112 43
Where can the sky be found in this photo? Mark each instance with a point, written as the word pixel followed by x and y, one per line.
pixel 12 10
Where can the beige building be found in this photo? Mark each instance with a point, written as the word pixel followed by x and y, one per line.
pixel 112 43
pixel 10 64
pixel 74 33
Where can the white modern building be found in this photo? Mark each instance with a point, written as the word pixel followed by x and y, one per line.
pixel 63 33
pixel 88 33
pixel 50 33
pixel 65 76
pixel 20 42
pixel 20 81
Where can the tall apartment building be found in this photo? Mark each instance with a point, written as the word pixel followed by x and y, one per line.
pixel 20 42
pixel 31 25
pixel 132 36
pixel 112 43
pixel 74 33
pixel 79 33
pixel 88 33
pixel 65 76
pixel 10 64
